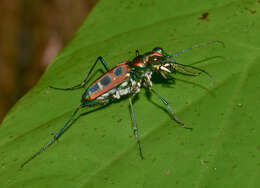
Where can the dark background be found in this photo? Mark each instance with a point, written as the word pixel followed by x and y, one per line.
pixel 32 32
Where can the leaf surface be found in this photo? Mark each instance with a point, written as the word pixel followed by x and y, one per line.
pixel 99 150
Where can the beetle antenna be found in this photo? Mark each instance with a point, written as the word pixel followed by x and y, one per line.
pixel 197 46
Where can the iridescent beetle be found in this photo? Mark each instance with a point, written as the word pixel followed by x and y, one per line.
pixel 126 79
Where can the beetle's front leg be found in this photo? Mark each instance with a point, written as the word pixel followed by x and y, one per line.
pixel 170 110
pixel 148 82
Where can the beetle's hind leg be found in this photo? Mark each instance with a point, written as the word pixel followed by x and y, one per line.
pixel 66 126
pixel 83 83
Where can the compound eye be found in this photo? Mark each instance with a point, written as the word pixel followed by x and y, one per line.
pixel 155 60
pixel 158 49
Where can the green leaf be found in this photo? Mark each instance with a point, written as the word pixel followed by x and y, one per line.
pixel 99 150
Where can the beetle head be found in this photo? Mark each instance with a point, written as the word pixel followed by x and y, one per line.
pixel 165 64
pixel 160 61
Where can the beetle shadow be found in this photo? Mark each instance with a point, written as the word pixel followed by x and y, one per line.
pixel 171 80
pixel 207 59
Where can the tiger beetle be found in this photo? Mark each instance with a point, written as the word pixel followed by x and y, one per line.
pixel 126 80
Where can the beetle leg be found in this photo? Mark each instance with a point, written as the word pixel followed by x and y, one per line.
pixel 170 110
pixel 148 81
pixel 135 128
pixel 137 53
pixel 64 128
pixel 186 71
pixel 83 83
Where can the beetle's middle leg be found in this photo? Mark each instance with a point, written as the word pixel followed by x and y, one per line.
pixel 135 128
